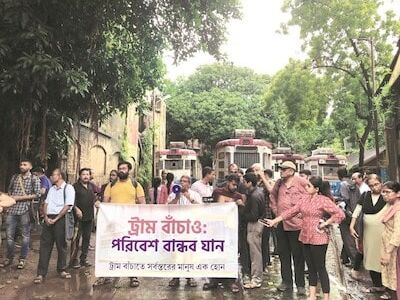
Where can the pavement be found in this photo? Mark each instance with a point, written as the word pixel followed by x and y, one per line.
pixel 18 284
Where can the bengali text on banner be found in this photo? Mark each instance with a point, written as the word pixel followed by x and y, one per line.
pixel 167 240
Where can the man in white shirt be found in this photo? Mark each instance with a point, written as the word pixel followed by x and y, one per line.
pixel 185 197
pixel 358 180
pixel 204 186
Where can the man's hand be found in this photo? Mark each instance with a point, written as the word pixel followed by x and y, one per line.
pixel 78 212
pixel 240 202
pixel 48 221
pixel 1 209
pixel 97 204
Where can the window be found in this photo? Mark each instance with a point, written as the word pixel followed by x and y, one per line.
pixel 174 164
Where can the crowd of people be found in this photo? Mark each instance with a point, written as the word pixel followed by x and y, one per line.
pixel 294 214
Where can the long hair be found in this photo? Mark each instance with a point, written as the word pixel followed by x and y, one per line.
pixel 156 184
pixel 323 186
pixel 170 179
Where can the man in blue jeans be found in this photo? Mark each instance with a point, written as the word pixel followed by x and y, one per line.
pixel 24 188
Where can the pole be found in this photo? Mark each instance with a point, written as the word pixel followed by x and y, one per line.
pixel 376 127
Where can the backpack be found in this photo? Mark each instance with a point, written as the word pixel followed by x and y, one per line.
pixel 133 181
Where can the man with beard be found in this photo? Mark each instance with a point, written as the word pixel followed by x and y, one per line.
pixel 125 190
pixel 23 188
pixel 227 194
pixel 85 199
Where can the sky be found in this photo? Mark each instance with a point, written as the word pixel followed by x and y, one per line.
pixel 254 41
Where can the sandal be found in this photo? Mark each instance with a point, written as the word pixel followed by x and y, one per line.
pixel 134 282
pixel 191 282
pixel 374 290
pixel 174 282
pixel 38 279
pixel 21 264
pixel 212 285
pixel 385 296
pixel 234 288
pixel 6 263
pixel 65 275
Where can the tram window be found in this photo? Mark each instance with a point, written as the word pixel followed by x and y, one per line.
pixel 221 174
pixel 174 164
pixel 276 167
pixel 221 164
pixel 228 157
pixel 301 167
pixel 314 170
pixel 221 155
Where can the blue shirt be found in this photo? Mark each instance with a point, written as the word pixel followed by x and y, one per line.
pixel 55 198
pixel 45 182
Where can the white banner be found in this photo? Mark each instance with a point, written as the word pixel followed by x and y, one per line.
pixel 167 240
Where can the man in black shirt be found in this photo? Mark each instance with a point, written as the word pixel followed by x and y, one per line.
pixel 253 211
pixel 84 214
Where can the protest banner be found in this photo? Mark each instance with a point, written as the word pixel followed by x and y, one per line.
pixel 167 240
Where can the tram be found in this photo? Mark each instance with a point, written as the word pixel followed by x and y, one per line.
pixel 282 154
pixel 244 150
pixel 323 162
pixel 179 160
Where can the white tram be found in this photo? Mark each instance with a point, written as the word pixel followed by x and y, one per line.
pixel 323 162
pixel 243 150
pixel 282 154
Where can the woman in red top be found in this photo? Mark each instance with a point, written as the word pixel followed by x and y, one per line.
pixel 314 232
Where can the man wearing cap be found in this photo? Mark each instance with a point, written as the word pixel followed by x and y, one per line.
pixel 288 191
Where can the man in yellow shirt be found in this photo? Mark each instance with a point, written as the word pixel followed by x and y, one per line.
pixel 125 190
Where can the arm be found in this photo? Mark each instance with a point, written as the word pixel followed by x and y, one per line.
pixel 69 202
pixel 354 217
pixel 337 215
pixel 394 242
pixel 107 193
pixel 140 194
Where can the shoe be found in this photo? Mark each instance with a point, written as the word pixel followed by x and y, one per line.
pixel 252 285
pixel 133 282
pixel 235 288
pixel 65 275
pixel 85 264
pixel 21 264
pixel 6 263
pixel 38 279
pixel 91 248
pixel 301 291
pixel 191 282
pixel 283 287
pixel 174 282
pixel 355 275
pixel 76 265
pixel 212 285
pixel 246 279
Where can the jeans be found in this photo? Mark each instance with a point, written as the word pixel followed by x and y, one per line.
pixel 51 234
pixel 24 223
pixel 289 246
pixel 254 235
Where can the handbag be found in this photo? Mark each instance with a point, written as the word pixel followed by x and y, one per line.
pixel 69 221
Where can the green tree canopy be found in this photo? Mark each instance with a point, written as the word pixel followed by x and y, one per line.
pixel 65 61
pixel 335 35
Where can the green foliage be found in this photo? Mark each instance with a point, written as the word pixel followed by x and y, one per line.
pixel 336 35
pixel 68 61
pixel 213 102
pixel 296 104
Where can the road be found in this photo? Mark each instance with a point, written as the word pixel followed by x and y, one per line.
pixel 17 284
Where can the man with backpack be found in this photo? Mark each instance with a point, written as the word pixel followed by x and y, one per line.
pixel 24 188
pixel 125 190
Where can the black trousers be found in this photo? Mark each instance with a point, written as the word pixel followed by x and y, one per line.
pixel 315 257
pixel 358 261
pixel 265 246
pixel 376 278
pixel 84 229
pixel 289 246
pixel 349 244
pixel 244 250
pixel 52 234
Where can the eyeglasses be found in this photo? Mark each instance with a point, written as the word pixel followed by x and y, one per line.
pixel 387 191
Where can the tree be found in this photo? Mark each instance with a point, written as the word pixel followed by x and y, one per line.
pixel 217 99
pixel 69 61
pixel 296 103
pixel 331 32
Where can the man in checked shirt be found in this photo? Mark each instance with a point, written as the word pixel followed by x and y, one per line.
pixel 24 187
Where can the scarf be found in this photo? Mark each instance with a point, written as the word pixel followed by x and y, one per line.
pixel 393 209
pixel 368 207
